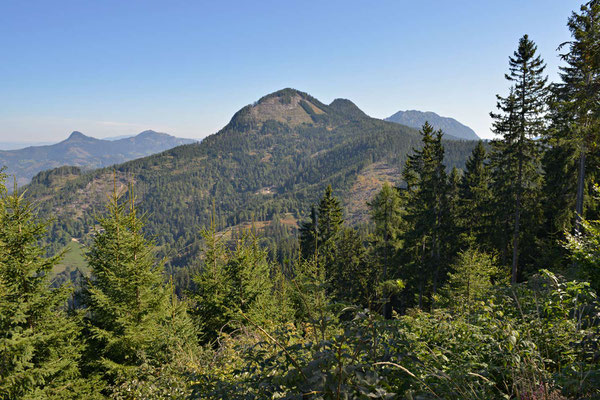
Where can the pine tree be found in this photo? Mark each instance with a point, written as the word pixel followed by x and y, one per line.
pixel 236 285
pixel 451 238
pixel 249 275
pixel 520 122
pixel 40 345
pixel 352 276
pixel 135 327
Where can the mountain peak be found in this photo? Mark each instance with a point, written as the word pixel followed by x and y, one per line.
pixel 288 106
pixel 149 133
pixel 348 108
pixel 449 126
pixel 76 135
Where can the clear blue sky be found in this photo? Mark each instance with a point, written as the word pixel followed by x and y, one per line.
pixel 109 68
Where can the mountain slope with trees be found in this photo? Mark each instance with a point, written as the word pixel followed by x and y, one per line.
pixel 480 284
pixel 272 159
pixel 84 151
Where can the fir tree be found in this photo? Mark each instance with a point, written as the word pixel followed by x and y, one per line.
pixel 520 122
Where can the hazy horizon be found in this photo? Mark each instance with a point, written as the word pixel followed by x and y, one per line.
pixel 109 69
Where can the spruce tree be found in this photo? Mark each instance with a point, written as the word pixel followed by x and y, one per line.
pixel 578 100
pixel 211 294
pixel 521 119
pixel 330 217
pixel 475 197
pixel 135 327
pixel 470 280
pixel 387 212
pixel 426 211
pixel 309 236
pixel 40 345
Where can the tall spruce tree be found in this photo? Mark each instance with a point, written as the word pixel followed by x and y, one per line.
pixel 578 100
pixel 426 211
pixel 40 345
pixel 133 323
pixel 521 119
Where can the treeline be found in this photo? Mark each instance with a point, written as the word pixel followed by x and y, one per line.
pixel 474 284
pixel 270 170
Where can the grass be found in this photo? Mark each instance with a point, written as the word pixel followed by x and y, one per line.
pixel 73 259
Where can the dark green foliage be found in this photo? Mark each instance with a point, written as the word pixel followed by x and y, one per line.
pixel 309 234
pixel 584 245
pixel 427 213
pixel 236 285
pixel 254 168
pixel 578 96
pixel 387 213
pixel 475 199
pixel 516 156
pixel 511 346
pixel 134 323
pixel 40 346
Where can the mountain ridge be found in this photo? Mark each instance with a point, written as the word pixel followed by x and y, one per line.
pixel 84 151
pixel 450 126
pixel 274 158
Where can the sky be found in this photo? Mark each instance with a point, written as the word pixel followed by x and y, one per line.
pixel 109 68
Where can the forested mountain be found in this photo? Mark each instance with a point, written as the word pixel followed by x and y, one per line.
pixel 84 151
pixel 450 126
pixel 271 162
pixel 407 279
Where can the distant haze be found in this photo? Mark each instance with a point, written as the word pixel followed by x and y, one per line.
pixel 84 151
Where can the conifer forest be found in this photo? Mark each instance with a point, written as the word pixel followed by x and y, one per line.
pixel 473 275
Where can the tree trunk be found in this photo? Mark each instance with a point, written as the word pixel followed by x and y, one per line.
pixel 580 189
pixel 515 257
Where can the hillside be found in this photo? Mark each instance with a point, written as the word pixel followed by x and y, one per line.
pixel 450 126
pixel 84 151
pixel 272 161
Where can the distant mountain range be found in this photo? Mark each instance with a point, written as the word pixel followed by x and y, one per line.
pixel 84 151
pixel 450 126
pixel 21 145
pixel 265 168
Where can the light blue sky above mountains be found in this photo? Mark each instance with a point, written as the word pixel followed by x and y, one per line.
pixel 110 68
